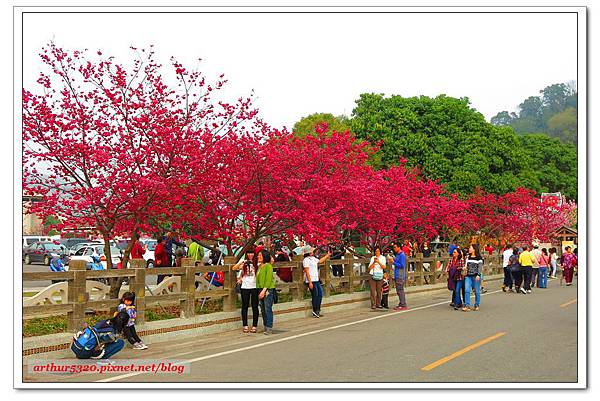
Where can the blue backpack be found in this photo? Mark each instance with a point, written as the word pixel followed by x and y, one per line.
pixel 101 333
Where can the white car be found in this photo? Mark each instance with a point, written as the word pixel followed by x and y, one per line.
pixel 86 253
pixel 150 245
pixel 80 245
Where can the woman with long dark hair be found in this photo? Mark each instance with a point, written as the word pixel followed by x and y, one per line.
pixel 265 283
pixel 248 290
pixel 310 266
pixel 515 269
pixel 474 266
pixel 455 278
pixel 544 263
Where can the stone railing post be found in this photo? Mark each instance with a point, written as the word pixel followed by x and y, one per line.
pixel 229 284
pixel 298 279
pixel 349 259
pixel 325 275
pixel 188 287
pixel 77 295
pixel 418 260
pixel 138 287
pixel 433 270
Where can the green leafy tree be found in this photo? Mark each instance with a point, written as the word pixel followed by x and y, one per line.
pixel 306 125
pixel 446 138
pixel 553 163
pixel 563 125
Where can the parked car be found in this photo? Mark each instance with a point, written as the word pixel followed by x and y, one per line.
pixel 80 245
pixel 87 252
pixel 31 239
pixel 41 252
pixel 71 242
pixel 150 245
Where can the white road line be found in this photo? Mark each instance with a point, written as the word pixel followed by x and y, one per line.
pixel 233 351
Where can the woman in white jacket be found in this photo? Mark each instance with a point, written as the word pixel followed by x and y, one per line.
pixel 376 269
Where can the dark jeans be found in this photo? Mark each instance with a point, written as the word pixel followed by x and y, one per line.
pixel 459 293
pixel 384 301
pixel 250 295
pixel 527 273
pixel 109 350
pixel 508 278
pixel 266 308
pixel 131 335
pixel 317 296
pixel 518 278
pixel 400 291
pixel 534 277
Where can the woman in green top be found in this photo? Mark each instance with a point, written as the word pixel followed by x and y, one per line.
pixel 266 284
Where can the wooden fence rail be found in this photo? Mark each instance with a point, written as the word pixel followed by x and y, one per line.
pixel 420 271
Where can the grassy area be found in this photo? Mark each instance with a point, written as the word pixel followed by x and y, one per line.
pixel 58 324
pixel 29 294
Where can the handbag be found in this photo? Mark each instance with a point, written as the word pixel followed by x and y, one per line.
pixel 238 288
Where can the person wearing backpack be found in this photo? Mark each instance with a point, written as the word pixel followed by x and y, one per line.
pixel 100 341
pixel 516 270
pixel 376 269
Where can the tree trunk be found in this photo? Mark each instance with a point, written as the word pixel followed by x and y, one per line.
pixel 115 282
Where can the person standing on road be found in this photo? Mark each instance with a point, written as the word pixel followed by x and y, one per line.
pixel 161 258
pixel 543 262
pixel 399 275
pixel 310 265
pixel 455 272
pixel 507 286
pixel 248 289
pixel 536 266
pixel 376 269
pixel 516 270
pixel 474 266
pixel 266 284
pixel 568 265
pixel 526 261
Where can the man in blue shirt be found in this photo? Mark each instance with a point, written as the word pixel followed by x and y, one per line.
pixel 400 276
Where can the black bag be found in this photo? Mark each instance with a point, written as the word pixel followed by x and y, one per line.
pixel 514 265
pixel 238 288
pixel 275 296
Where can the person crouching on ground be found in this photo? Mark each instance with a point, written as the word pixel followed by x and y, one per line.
pixel 310 265
pixel 474 266
pixel 100 341
pixel 265 282
pixel 128 305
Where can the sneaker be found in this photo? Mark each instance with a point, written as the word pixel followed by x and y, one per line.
pixel 105 362
pixel 503 289
pixel 268 332
pixel 483 290
pixel 138 345
pixel 523 290
pixel 144 346
pixel 529 291
pixel 401 308
pixel 319 314
pixel 466 309
pixel 315 314
pixel 476 308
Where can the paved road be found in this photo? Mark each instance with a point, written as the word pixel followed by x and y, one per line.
pixel 530 338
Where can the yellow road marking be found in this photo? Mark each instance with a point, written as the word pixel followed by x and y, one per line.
pixel 462 351
pixel 569 303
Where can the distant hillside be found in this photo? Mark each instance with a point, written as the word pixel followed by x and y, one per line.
pixel 554 113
